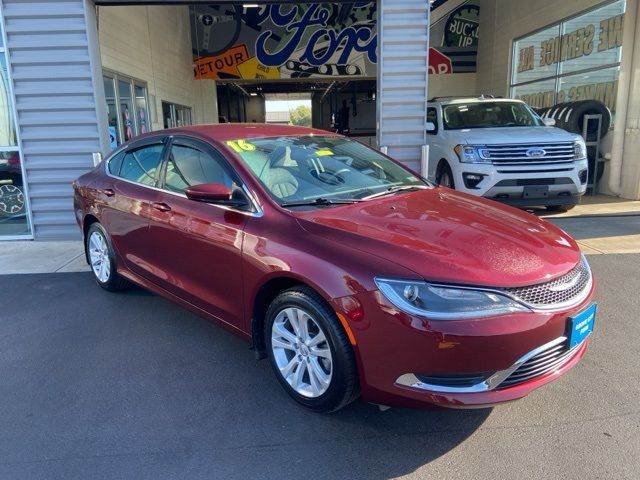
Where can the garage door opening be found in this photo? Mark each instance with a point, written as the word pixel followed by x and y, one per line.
pixel 343 106
pixel 288 109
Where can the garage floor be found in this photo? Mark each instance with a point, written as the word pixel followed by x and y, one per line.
pixel 98 385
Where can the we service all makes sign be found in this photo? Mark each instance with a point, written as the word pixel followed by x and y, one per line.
pixel 583 52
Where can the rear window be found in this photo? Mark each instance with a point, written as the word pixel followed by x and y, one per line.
pixel 141 165
pixel 114 164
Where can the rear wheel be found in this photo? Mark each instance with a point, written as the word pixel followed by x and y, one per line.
pixel 102 259
pixel 309 351
pixel 445 176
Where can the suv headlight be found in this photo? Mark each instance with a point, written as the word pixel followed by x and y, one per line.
pixel 443 302
pixel 579 150
pixel 470 154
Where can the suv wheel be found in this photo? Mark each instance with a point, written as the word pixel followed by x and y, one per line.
pixel 310 352
pixel 445 176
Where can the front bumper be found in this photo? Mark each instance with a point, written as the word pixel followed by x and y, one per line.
pixel 396 351
pixel 563 184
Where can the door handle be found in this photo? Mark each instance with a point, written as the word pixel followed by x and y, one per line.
pixel 108 192
pixel 163 207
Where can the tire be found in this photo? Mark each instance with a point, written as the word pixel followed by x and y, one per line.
pixel 445 176
pixel 325 384
pixel 102 259
pixel 589 107
pixel 559 208
pixel 569 116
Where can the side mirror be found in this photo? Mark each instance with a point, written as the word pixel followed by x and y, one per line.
pixel 549 122
pixel 209 193
pixel 431 127
pixel 218 194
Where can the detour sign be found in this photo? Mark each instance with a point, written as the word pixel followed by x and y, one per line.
pixel 224 65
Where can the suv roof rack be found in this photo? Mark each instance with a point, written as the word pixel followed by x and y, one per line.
pixel 458 97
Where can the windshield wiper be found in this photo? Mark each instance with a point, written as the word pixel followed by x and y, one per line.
pixel 392 190
pixel 320 202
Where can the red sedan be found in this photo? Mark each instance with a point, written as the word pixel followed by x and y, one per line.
pixel 352 274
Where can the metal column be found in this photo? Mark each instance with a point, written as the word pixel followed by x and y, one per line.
pixel 60 103
pixel 403 50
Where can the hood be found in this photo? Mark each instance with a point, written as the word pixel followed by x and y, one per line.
pixel 514 135
pixel 450 237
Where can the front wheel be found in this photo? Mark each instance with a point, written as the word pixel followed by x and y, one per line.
pixel 445 176
pixel 102 259
pixel 310 352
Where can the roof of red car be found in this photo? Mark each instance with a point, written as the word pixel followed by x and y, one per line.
pixel 235 131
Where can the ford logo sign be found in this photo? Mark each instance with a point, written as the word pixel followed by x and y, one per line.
pixel 535 152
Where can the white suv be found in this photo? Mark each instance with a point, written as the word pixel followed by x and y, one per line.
pixel 501 149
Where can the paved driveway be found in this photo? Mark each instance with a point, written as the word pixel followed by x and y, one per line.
pixel 97 385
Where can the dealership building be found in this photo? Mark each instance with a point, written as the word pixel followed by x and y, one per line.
pixel 79 77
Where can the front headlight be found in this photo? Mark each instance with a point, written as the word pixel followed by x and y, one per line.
pixel 470 154
pixel 441 302
pixel 579 150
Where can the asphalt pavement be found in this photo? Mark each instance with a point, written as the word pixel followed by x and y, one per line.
pixel 96 385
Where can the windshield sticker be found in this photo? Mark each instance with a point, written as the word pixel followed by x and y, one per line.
pixel 324 153
pixel 241 146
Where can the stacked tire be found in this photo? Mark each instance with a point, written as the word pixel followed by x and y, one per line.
pixel 570 117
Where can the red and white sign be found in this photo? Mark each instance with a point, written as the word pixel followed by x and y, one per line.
pixel 439 63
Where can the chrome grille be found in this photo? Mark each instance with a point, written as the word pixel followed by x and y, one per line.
pixel 543 362
pixel 517 154
pixel 562 291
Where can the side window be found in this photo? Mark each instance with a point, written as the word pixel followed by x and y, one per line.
pixel 187 166
pixel 115 163
pixel 141 165
pixel 432 116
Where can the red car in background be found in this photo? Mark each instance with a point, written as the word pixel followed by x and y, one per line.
pixel 352 274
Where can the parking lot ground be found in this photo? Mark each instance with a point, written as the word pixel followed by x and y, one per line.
pixel 96 385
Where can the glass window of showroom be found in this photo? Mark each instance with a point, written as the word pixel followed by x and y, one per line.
pixel 14 212
pixel 575 59
pixel 127 107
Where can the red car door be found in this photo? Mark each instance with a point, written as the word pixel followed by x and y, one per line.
pixel 127 196
pixel 197 246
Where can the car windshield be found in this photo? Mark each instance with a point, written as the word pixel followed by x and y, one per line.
pixel 322 170
pixel 488 114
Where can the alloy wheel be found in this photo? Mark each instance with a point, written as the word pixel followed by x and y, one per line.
pixel 302 353
pixel 99 257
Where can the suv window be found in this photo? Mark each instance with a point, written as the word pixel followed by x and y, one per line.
pixel 188 166
pixel 488 115
pixel 141 165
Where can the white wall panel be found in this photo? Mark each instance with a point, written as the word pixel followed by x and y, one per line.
pixel 49 53
pixel 402 78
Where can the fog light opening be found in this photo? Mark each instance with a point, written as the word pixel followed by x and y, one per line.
pixel 583 176
pixel 471 180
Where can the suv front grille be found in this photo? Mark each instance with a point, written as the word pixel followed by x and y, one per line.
pixel 529 154
pixel 563 291
pixel 543 362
